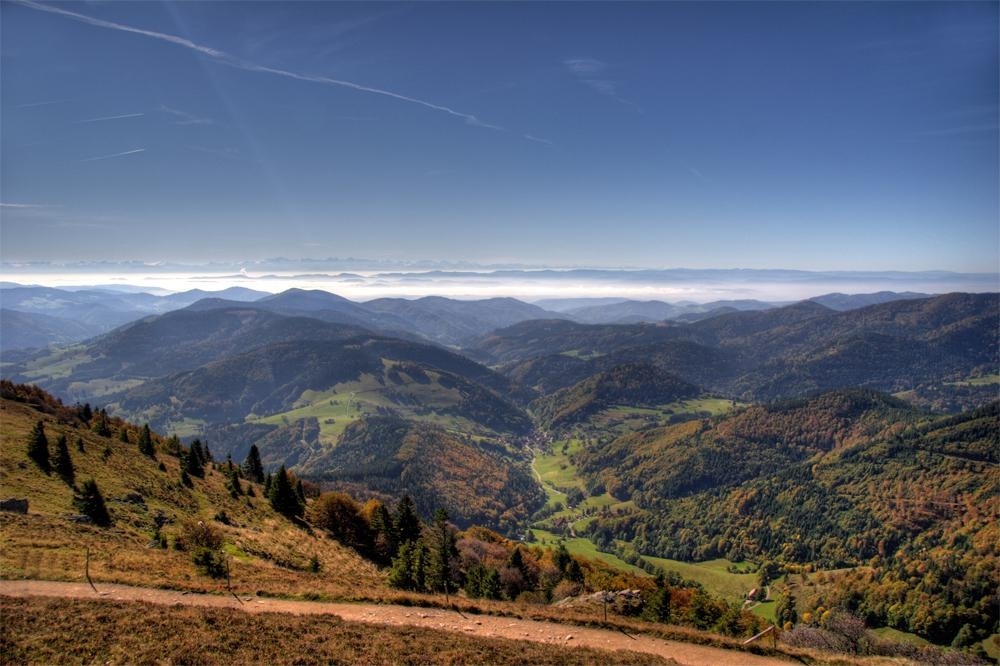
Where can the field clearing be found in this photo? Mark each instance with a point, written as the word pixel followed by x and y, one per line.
pixel 712 574
pixel 584 547
pixel 57 365
pixel 346 402
pixel 900 636
pixel 985 380
pixel 556 469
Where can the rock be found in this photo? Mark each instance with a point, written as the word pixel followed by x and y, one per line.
pixel 80 518
pixel 14 505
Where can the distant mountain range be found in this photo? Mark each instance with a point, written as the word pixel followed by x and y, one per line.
pixel 50 316
pixel 767 354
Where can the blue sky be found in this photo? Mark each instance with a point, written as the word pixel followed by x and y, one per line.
pixel 850 136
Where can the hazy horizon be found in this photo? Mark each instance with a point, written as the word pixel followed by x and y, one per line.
pixel 534 284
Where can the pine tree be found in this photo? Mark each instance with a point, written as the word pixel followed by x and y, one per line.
pixel 268 480
pixel 63 463
pixel 421 559
pixel 79 445
pixel 194 462
pixel 252 467
pixel 123 434
pixel 38 447
pixel 233 482
pixel 90 503
pixel 401 574
pixel 406 522
pixel 443 553
pixel 282 495
pixel 146 442
pixel 385 538
pixel 658 607
pixel 100 424
pixel 300 491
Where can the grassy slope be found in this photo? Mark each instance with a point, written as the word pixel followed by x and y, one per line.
pixel 345 402
pixel 271 554
pixel 713 574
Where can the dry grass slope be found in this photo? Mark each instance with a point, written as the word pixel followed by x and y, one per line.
pixel 58 631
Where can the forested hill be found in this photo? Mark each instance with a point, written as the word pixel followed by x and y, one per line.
pixel 777 353
pixel 632 385
pixel 842 479
pixel 477 482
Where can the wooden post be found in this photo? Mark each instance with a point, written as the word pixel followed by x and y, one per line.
pixel 86 569
pixel 229 584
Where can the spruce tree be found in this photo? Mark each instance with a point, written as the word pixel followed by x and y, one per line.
pixel 90 503
pixel 146 442
pixel 406 521
pixel 300 491
pixel 443 553
pixel 79 445
pixel 194 462
pixel 658 607
pixel 38 447
pixel 123 434
pixel 401 574
pixel 282 495
pixel 63 463
pixel 99 424
pixel 252 467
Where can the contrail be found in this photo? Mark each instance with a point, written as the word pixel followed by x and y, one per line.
pixel 108 157
pixel 124 115
pixel 233 61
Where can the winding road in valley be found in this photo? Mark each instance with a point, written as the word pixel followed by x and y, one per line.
pixel 687 654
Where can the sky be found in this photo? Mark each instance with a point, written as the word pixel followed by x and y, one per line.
pixel 816 136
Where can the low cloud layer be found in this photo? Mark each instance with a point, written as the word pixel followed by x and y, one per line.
pixel 526 284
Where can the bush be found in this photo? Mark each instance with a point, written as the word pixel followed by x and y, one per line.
pixel 204 542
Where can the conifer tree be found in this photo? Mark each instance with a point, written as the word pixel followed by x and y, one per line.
pixel 421 559
pixel 63 463
pixel 401 574
pixel 300 491
pixel 268 480
pixel 90 503
pixel 79 445
pixel 194 461
pixel 384 535
pixel 406 522
pixel 282 495
pixel 658 607
pixel 38 447
pixel 123 434
pixel 443 553
pixel 252 467
pixel 146 442
pixel 100 424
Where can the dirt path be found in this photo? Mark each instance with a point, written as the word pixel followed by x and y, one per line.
pixel 480 625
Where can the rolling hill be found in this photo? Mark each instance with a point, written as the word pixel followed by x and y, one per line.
pixel 476 481
pixel 769 354
pixel 625 386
